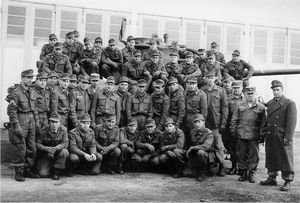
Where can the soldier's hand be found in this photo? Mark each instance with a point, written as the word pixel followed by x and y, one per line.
pixel 87 157
pixel 130 143
pixel 93 157
pixel 104 150
pixel 51 150
pixel 17 129
pixel 115 65
pixel 188 153
pixel 164 148
pixel 286 142
pixel 150 148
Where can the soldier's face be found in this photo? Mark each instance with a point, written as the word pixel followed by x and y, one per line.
pixel 110 86
pixel 64 83
pixel 57 50
pixel 52 81
pixel 52 42
pixel 69 40
pixel 141 89
pixel 174 59
pixel 202 55
pixel 174 86
pixel 131 43
pixel 27 80
pixel 94 83
pixel 215 49
pixel 199 124
pixel 210 80
pixel 150 128
pixel 155 59
pixel 84 85
pixel 132 128
pixel 123 86
pixel 54 125
pixel 112 46
pixel 235 58
pixel 250 96
pixel 76 38
pixel 85 125
pixel 191 86
pixel 137 58
pixel 98 44
pixel 111 124
pixel 158 89
pixel 170 128
pixel 211 60
pixel 41 83
pixel 189 60
pixel 88 46
pixel 227 84
pixel 153 46
pixel 277 91
pixel 237 90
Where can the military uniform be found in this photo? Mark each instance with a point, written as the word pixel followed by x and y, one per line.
pixel 46 49
pixel 173 69
pixel 89 60
pixel 135 70
pixel 124 97
pixel 51 87
pixel 57 63
pixel 156 70
pixel 73 52
pixel 189 70
pixel 207 67
pixel 127 53
pixel 51 163
pixel 93 90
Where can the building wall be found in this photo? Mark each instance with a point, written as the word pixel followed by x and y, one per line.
pixel 266 32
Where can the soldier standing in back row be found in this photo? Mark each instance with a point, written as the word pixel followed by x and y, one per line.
pixel 90 58
pixel 72 51
pixel 219 56
pixel 128 51
pixel 124 95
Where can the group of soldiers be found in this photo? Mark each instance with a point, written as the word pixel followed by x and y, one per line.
pixel 178 118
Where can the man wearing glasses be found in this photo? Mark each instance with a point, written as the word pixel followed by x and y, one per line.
pixel 90 58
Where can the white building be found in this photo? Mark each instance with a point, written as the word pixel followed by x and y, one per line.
pixel 267 32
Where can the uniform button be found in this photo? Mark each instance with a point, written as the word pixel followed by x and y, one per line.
pixel 275 125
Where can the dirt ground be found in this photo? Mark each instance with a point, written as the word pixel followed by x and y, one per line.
pixel 147 187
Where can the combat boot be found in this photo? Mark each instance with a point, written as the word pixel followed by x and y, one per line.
pixel 243 176
pixel 221 172
pixel 120 168
pixel 251 177
pixel 19 174
pixel 178 174
pixel 270 181
pixel 55 174
pixel 29 174
pixel 201 175
pixel 286 186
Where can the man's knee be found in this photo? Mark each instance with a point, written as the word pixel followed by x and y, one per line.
pixel 63 153
pixel 155 161
pixel 74 158
pixel 163 158
pixel 116 152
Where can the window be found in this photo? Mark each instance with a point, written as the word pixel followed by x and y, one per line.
pixel 233 40
pixel 42 26
pixel 115 26
pixel 278 50
pixel 193 32
pixel 16 25
pixel 93 26
pixel 172 29
pixel 150 27
pixel 68 22
pixel 295 49
pixel 213 34
pixel 260 46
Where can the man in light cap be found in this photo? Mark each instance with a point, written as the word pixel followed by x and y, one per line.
pixel 247 124
pixel 129 135
pixel 107 143
pixel 106 103
pixel 171 153
pixel 95 85
pixel 173 68
pixel 161 103
pixel 280 127
pixel 90 58
pixel 124 95
pixel 198 153
pixel 60 100
pixel 73 51
pixel 57 61
pixel 229 141
pixel 177 102
pixel 52 143
pixel 82 148
pixel 212 65
pixel 46 49
pixel 189 68
pixel 80 102
pixel 42 102
pixel 134 69
pixel 238 69
pixel 219 56
pixel 217 115
pixel 128 51
pixel 140 105
pixel 112 60
pixel 20 111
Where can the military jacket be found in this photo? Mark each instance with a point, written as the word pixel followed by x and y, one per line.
pixel 81 142
pixel 202 138
pixel 59 64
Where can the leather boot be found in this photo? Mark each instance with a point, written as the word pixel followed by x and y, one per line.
pixel 201 174
pixel 221 172
pixel 120 168
pixel 286 186
pixel 29 174
pixel 243 176
pixel 55 174
pixel 19 170
pixel 270 181
pixel 178 174
pixel 251 177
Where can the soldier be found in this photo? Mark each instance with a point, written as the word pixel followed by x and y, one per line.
pixel 177 102
pixel 201 58
pixel 52 143
pixel 217 116
pixel 135 69
pixel 161 103
pixel 77 43
pixel 73 83
pixel 195 102
pixel 90 58
pixel 80 102
pixel 72 51
pixel 229 140
pixel 46 49
pixel 128 51
pixel 82 148
pixel 42 101
pixel 22 134
pixel 139 105
pixel 173 68
pixel 129 135
pixel 156 68
pixel 95 86
pixel 112 60
pixel 171 150
pixel 107 143
pixel 52 81
pixel 212 64
pixel 98 43
pixel 124 95
pixel 219 56
pixel 57 61
pixel 280 126
pixel 237 68
pixel 189 69
pixel 198 153
pixel 106 103
pixel 153 48
pixel 60 100
pixel 227 81
pixel 247 124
